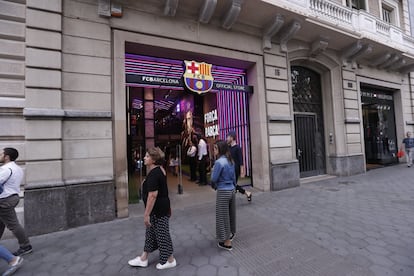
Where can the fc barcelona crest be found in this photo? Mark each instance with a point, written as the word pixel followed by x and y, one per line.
pixel 197 76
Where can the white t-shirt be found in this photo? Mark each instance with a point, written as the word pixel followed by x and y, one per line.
pixel 192 151
pixel 12 185
pixel 202 149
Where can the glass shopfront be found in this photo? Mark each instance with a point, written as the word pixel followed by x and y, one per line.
pixel 164 112
pixel 381 145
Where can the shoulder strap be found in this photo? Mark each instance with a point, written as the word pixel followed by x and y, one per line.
pixel 11 172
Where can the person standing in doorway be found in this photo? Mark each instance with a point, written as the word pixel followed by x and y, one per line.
pixel 202 160
pixel 11 176
pixel 223 179
pixel 409 148
pixel 237 155
pixel 157 213
pixel 192 158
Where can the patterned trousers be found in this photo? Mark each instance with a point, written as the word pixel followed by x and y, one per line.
pixel 225 214
pixel 157 236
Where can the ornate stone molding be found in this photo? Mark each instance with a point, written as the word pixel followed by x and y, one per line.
pixel 170 7
pixel 288 33
pixel 232 14
pixel 207 10
pixel 271 30
pixel 318 46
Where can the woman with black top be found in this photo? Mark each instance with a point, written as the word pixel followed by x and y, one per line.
pixel 157 213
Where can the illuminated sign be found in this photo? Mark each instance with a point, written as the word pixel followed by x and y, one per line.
pixel 153 80
pixel 146 71
pixel 212 130
pixel 234 87
pixel 197 76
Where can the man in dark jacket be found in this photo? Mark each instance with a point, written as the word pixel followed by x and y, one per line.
pixel 237 155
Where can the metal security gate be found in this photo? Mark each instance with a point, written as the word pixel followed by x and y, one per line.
pixel 309 126
pixel 305 129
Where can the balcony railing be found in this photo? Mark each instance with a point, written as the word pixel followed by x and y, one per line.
pixel 355 21
pixel 331 10
pixel 383 27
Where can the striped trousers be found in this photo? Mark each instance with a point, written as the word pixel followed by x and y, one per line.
pixel 225 214
pixel 157 236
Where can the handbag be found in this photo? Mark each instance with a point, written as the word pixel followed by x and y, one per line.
pixel 400 154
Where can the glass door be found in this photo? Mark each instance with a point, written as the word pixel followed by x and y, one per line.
pixel 380 140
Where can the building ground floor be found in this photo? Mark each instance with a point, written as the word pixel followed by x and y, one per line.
pixel 294 116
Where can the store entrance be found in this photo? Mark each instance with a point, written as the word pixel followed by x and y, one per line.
pixel 379 127
pixel 173 120
pixel 174 104
pixel 155 119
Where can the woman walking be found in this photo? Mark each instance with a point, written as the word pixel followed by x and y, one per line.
pixel 157 213
pixel 224 181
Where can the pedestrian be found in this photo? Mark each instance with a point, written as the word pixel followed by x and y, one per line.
pixel 192 158
pixel 157 213
pixel 237 155
pixel 202 160
pixel 409 148
pixel 11 176
pixel 223 179
pixel 14 262
pixel 173 164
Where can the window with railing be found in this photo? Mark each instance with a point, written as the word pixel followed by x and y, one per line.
pixel 387 14
pixel 356 4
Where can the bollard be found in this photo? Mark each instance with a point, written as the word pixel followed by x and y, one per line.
pixel 180 172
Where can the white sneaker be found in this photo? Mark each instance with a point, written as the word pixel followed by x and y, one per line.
pixel 12 268
pixel 138 262
pixel 167 265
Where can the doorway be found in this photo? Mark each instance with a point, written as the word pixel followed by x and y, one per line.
pixel 381 144
pixel 308 119
pixel 171 119
pixel 307 151
pixel 155 118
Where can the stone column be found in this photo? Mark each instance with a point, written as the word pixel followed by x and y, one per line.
pixel 43 113
pixel 87 132
pixel 285 168
pixel 406 24
pixel 68 116
pixel 349 157
pixel 12 70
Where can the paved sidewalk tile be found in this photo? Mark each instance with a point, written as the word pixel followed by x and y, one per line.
pixel 358 225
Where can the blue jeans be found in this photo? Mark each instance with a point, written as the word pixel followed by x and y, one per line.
pixel 5 254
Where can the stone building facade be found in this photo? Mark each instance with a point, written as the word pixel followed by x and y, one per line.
pixel 332 92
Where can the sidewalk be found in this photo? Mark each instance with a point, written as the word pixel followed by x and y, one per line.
pixel 359 225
